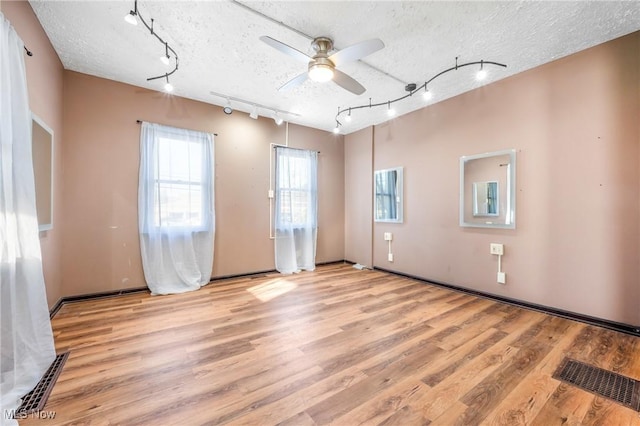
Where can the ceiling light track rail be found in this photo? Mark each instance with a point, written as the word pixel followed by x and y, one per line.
pixel 412 89
pixel 131 18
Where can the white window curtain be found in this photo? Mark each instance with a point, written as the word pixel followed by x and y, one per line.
pixel 296 209
pixel 176 215
pixel 26 340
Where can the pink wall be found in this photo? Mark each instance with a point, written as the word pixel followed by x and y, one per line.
pixel 44 80
pixel 358 191
pixel 574 124
pixel 101 153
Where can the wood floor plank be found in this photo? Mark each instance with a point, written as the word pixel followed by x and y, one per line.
pixel 334 346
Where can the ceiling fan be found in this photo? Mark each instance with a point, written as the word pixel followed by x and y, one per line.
pixel 321 66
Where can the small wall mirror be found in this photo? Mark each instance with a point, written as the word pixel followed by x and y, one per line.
pixel 487 190
pixel 387 195
pixel 42 153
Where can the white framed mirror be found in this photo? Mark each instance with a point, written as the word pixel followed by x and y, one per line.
pixel 487 190
pixel 42 155
pixel 387 195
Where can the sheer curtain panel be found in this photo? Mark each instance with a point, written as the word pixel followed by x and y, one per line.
pixel 26 341
pixel 175 208
pixel 296 209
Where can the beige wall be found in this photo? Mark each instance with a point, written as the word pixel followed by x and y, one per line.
pixel 44 80
pixel 101 153
pixel 574 124
pixel 358 191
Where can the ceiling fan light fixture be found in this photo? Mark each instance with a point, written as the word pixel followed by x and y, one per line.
pixel 321 72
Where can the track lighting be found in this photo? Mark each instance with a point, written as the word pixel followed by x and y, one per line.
pixel 347 119
pixel 227 108
pixel 482 74
pixel 427 95
pixel 132 18
pixel 411 88
pixel 275 113
pixel 168 87
pixel 165 58
pixel 390 111
pixel 336 129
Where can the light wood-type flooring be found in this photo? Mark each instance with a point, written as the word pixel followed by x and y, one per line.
pixel 335 346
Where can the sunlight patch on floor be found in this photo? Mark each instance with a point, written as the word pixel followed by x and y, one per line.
pixel 271 289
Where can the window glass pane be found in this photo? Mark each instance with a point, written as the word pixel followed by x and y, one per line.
pixel 294 190
pixel 178 204
pixel 179 160
pixel 178 184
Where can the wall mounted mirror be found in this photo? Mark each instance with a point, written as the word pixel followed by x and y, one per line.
pixel 387 195
pixel 42 153
pixel 487 190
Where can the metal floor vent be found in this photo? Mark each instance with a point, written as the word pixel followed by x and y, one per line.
pixel 621 389
pixel 35 400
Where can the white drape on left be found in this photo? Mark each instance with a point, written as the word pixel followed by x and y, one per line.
pixel 175 208
pixel 26 340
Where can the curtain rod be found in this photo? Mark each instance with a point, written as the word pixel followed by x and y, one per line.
pixel 275 145
pixel 140 122
pixel 29 53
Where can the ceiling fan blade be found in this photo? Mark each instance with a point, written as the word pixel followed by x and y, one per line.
pixel 356 51
pixel 286 49
pixel 294 82
pixel 348 83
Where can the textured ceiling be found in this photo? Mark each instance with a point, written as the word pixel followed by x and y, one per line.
pixel 220 51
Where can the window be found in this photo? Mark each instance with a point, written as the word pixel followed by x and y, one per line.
pixel 179 179
pixel 175 208
pixel 296 188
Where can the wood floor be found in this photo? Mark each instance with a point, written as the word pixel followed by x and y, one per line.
pixel 335 346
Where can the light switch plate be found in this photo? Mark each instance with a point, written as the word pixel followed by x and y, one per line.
pixel 388 236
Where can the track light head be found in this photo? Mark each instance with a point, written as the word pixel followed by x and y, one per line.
pixel 254 113
pixel 277 119
pixel 227 108
pixel 168 87
pixel 131 17
pixel 427 95
pixel 390 111
pixel 164 59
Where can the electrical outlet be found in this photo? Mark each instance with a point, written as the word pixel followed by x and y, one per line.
pixel 496 249
pixel 502 278
pixel 388 236
pixel 390 257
